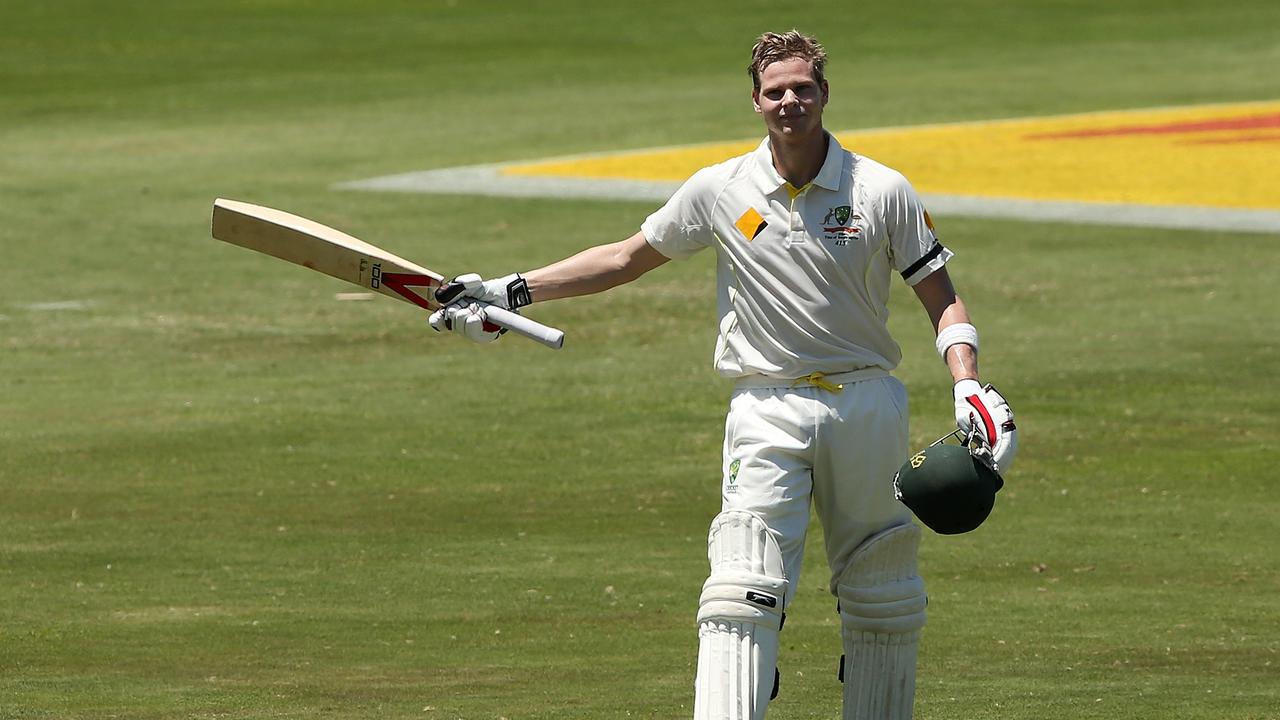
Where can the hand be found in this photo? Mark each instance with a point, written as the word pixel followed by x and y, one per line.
pixel 972 415
pixel 464 299
pixel 510 292
pixel 466 319
pixel 985 417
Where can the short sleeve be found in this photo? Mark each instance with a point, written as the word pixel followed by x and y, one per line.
pixel 913 240
pixel 682 227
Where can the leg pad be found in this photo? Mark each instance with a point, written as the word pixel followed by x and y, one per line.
pixel 739 616
pixel 882 609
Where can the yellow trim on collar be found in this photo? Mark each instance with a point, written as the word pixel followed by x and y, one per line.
pixel 792 191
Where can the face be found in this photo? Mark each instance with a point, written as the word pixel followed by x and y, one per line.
pixel 789 99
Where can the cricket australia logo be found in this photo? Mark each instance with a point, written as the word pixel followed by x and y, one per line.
pixel 838 225
pixel 731 482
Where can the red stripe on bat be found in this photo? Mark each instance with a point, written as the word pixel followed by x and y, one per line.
pixel 1253 122
pixel 401 282
pixel 987 422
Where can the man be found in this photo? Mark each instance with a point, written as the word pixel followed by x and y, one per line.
pixel 807 237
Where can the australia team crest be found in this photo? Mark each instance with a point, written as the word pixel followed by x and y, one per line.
pixel 840 225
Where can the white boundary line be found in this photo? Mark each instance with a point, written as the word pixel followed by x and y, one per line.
pixel 490 180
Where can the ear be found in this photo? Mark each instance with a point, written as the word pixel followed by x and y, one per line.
pixel 755 100
pixel 826 92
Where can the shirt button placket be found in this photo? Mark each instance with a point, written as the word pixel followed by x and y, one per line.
pixel 795 233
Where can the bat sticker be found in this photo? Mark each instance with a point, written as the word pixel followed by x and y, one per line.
pixel 401 282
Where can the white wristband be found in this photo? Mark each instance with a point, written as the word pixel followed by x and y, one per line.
pixel 957 334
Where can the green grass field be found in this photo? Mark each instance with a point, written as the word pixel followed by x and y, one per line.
pixel 225 495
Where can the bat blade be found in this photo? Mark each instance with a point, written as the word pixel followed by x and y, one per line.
pixel 321 248
pixel 324 249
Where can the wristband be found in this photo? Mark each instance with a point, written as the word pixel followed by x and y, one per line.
pixel 517 292
pixel 957 334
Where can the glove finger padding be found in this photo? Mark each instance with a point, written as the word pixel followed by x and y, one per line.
pixel 470 285
pixel 466 319
pixel 972 415
pixel 1005 446
pixel 985 417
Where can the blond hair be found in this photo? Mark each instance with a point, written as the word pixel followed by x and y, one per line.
pixel 772 47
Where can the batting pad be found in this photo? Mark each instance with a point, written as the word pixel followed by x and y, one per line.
pixel 882 609
pixel 739 617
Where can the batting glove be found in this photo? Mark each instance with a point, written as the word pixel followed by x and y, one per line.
pixel 466 319
pixel 985 417
pixel 510 291
pixel 464 299
pixel 972 415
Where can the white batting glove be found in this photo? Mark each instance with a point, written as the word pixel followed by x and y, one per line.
pixel 972 415
pixel 984 415
pixel 464 298
pixel 509 291
pixel 466 319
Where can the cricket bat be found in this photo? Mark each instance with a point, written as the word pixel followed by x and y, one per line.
pixel 332 252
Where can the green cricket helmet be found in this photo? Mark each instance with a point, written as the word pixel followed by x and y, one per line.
pixel 950 488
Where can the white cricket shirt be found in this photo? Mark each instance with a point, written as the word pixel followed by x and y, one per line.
pixel 802 276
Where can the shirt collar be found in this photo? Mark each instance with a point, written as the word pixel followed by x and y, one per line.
pixel 828 176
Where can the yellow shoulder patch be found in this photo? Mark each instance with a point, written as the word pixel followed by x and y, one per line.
pixel 751 224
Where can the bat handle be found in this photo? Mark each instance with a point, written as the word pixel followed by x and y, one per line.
pixel 532 329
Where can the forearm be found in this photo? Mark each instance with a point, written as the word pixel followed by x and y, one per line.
pixel 950 320
pixel 962 361
pixel 594 270
pixel 591 271
pixel 961 358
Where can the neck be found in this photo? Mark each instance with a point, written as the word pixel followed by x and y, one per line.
pixel 798 160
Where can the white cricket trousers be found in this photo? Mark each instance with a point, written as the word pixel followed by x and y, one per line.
pixel 785 445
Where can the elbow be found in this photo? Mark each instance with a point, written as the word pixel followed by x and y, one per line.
pixel 629 260
pixel 621 262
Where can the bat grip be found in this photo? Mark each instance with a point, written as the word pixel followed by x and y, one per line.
pixel 521 325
